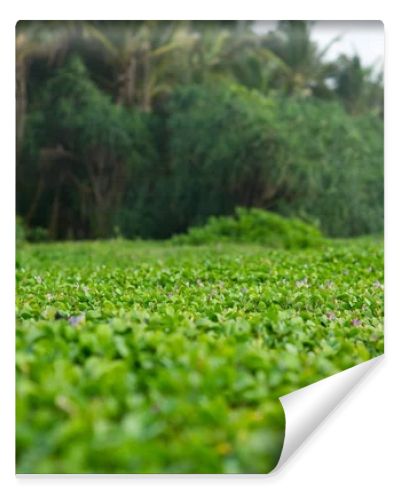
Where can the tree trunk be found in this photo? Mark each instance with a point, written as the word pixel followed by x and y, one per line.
pixel 146 91
pixel 127 83
pixel 53 225
pixel 21 102
pixel 35 200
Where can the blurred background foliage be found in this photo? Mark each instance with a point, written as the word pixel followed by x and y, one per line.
pixel 143 129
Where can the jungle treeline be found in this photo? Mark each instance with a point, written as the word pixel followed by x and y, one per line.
pixel 143 129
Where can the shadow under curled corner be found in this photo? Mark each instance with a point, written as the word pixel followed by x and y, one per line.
pixel 306 408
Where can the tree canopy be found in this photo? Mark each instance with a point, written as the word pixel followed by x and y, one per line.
pixel 147 128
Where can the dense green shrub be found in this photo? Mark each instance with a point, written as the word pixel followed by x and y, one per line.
pixel 230 147
pixel 334 171
pixel 254 226
pixel 92 149
pixel 96 168
pixel 34 235
pixel 37 234
pixel 223 152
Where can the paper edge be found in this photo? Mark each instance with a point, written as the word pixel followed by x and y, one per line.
pixel 306 408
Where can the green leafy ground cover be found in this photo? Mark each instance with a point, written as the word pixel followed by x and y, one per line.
pixel 149 357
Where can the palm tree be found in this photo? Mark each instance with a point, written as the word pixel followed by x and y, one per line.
pixel 140 57
pixel 302 70
pixel 49 41
pixel 358 87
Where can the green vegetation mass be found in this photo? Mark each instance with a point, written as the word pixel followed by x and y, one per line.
pixel 144 129
pixel 254 226
pixel 140 357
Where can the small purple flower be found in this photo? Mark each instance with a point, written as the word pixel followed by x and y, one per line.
pixel 356 322
pixel 76 320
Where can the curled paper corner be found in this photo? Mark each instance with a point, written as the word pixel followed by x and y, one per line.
pixel 306 408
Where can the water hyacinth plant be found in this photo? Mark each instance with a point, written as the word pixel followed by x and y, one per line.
pixel 152 357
